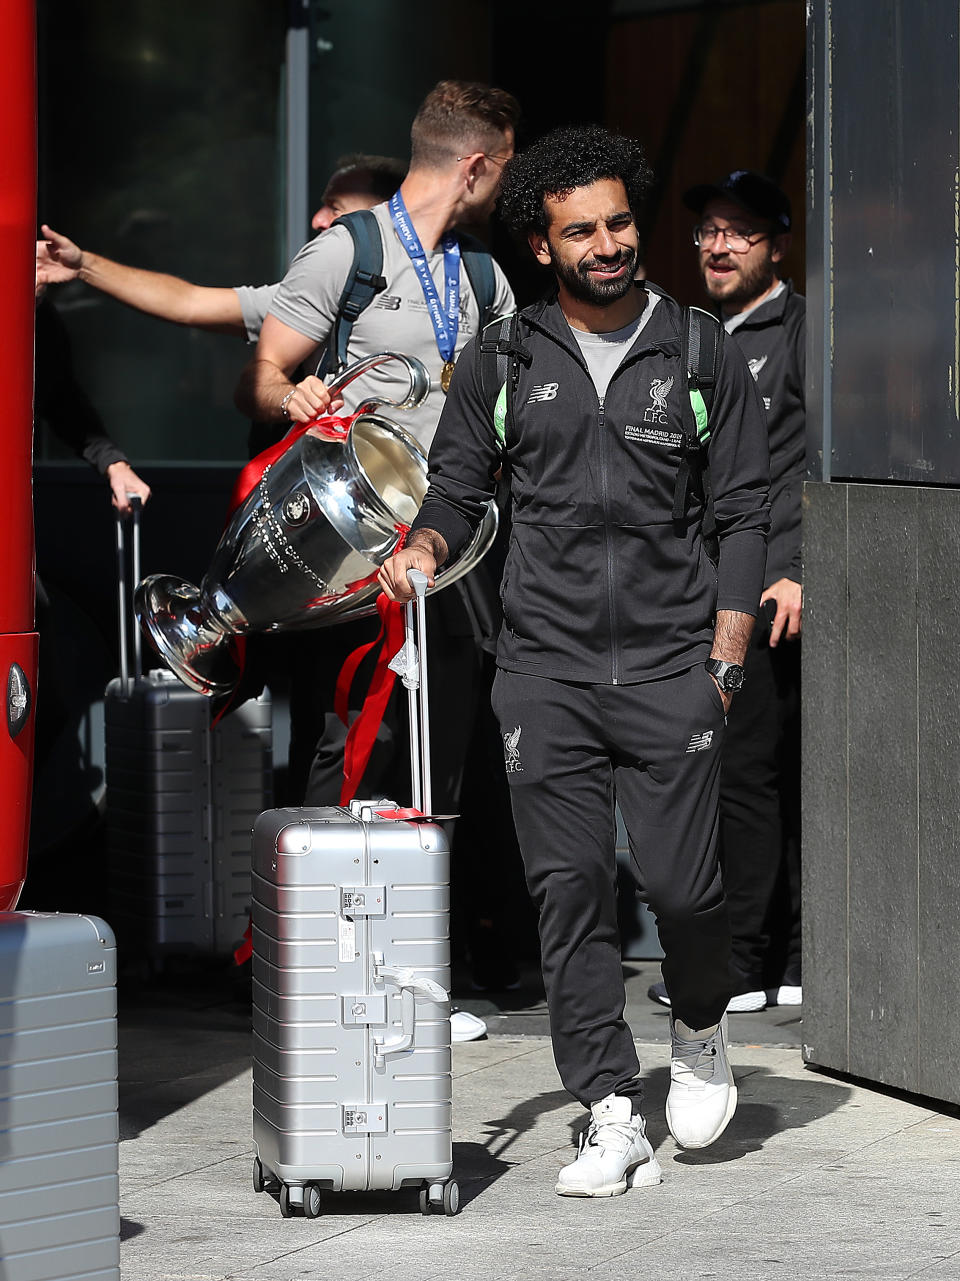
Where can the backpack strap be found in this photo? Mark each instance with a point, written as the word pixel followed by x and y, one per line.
pixel 479 268
pixel 364 281
pixel 501 354
pixel 700 360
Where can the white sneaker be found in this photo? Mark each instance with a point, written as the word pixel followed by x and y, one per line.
pixel 465 1026
pixel 613 1153
pixel 702 1096
pixel 786 995
pixel 747 1003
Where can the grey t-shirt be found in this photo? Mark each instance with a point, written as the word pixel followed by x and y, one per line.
pixel 604 352
pixel 397 319
pixel 255 302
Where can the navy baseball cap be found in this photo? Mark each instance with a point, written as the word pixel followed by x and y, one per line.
pixel 755 193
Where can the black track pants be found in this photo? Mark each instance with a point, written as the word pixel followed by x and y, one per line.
pixel 569 749
pixel 759 816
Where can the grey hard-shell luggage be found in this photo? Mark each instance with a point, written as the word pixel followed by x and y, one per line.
pixel 182 797
pixel 351 975
pixel 59 1193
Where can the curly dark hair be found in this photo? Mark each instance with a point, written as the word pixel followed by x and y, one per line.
pixel 560 162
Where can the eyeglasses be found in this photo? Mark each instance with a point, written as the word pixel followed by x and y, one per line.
pixel 738 242
pixel 501 160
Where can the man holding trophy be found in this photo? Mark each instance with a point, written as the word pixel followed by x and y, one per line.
pixel 426 308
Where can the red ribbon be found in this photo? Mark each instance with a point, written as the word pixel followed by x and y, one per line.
pixel 245 950
pixel 363 732
pixel 328 428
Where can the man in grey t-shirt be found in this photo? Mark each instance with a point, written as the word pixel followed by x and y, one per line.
pixel 305 304
pixel 461 137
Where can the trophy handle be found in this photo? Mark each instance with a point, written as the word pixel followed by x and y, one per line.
pixel 472 554
pixel 474 551
pixel 416 371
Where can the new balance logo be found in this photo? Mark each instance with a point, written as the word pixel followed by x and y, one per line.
pixel 511 752
pixel 700 742
pixel 545 391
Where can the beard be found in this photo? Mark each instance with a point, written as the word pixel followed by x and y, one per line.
pixel 600 293
pixel 747 281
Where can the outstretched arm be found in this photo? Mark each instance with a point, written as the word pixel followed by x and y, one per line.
pixel 152 292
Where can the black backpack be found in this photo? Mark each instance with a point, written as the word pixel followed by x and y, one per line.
pixel 365 281
pixel 501 354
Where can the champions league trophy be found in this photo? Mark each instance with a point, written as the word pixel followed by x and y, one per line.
pixel 303 547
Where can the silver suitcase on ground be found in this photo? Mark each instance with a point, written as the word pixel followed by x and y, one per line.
pixel 351 975
pixel 59 1194
pixel 182 797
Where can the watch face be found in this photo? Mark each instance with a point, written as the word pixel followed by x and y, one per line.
pixel 729 675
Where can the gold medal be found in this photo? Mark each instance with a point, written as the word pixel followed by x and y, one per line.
pixel 446 373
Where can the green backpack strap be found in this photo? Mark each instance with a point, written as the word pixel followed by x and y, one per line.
pixel 701 342
pixel 501 354
pixel 364 281
pixel 702 365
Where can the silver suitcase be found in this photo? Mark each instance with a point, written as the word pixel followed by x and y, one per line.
pixel 59 1194
pixel 351 975
pixel 182 797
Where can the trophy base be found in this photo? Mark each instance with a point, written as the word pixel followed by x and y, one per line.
pixel 198 653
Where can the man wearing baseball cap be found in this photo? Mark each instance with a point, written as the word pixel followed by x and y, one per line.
pixel 742 235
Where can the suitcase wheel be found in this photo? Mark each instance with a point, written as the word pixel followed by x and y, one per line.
pixel 310 1204
pixel 437 1198
pixel 311 1201
pixel 259 1182
pixel 451 1197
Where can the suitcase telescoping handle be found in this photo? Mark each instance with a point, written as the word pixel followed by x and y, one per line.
pixel 131 570
pixel 418 695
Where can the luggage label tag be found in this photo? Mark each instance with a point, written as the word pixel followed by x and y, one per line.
pixel 357 900
pixel 347 938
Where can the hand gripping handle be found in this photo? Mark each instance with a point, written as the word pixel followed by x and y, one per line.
pixel 415 369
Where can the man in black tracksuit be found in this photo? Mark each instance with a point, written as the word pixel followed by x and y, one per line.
pixel 610 610
pixel 742 237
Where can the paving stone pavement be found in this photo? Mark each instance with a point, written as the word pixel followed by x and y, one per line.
pixel 817 1176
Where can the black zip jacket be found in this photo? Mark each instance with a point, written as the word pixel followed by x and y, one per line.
pixel 599 585
pixel 773 338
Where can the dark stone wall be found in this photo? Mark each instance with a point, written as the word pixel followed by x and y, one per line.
pixel 881 783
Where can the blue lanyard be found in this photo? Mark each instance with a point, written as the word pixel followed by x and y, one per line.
pixel 446 320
